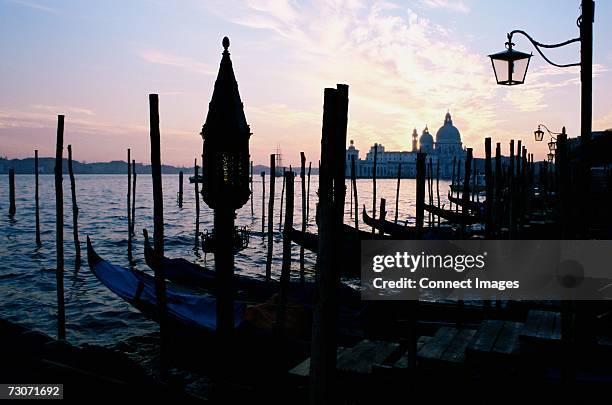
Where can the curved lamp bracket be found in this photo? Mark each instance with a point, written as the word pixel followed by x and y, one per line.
pixel 539 45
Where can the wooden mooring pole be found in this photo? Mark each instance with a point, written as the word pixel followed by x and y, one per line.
pixel 251 197
pixel 331 208
pixel 286 266
pixel 271 218
pixel 129 203
pixel 420 193
pixel 354 182
pixel 37 198
pixel 133 218
pixel 180 191
pixel 304 220
pixel 374 169
pixel 75 212
pixel 196 188
pixel 59 229
pixel 308 194
pixel 280 215
pixel 158 225
pixel 397 190
pixel 12 207
pixel 263 204
pixel 383 212
pixel 489 189
pixel 466 180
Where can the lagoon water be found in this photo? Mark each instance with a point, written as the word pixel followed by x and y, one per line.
pixel 94 314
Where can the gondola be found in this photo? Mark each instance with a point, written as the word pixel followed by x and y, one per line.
pixel 452 216
pixel 350 245
pixel 192 179
pixel 400 232
pixel 474 206
pixel 195 311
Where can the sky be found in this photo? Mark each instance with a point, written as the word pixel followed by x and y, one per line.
pixel 407 63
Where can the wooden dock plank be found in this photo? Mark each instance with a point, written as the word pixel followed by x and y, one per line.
pixel 455 353
pixel 435 347
pixel 547 323
pixel 303 369
pixel 507 340
pixel 486 336
pixel 360 358
pixel 532 323
pixel 402 363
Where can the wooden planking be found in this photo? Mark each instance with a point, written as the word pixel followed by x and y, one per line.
pixel 303 369
pixel 435 347
pixel 403 362
pixel 487 336
pixel 545 325
pixel 455 352
pixel 360 358
pixel 507 340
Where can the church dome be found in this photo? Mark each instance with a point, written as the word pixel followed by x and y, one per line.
pixel 448 133
pixel 426 139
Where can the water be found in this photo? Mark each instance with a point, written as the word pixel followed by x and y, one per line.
pixel 94 314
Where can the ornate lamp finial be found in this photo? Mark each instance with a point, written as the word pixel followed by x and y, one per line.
pixel 226 43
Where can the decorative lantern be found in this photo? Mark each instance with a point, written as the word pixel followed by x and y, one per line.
pixel 539 134
pixel 552 145
pixel 226 137
pixel 510 66
pixel 551 157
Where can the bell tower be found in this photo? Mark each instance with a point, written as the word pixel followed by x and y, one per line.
pixel 415 141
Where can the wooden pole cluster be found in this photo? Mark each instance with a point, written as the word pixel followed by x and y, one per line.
pixel 330 261
pixel 158 224
pixel 489 189
pixel 59 229
pixel 75 212
pixel 37 198
pixel 271 218
pixel 12 207
pixel 308 194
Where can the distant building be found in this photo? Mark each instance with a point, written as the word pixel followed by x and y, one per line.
pixel 446 147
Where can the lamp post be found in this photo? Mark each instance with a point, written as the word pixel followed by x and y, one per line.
pixel 510 68
pixel 225 174
pixel 539 136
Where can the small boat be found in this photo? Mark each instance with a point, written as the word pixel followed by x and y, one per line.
pixel 192 310
pixel 452 216
pixel 138 289
pixel 192 275
pixel 474 206
pixel 192 179
pixel 401 232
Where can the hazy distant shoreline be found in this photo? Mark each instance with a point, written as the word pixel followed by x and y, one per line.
pixel 46 165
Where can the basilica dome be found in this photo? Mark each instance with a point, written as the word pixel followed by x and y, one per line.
pixel 448 133
pixel 426 139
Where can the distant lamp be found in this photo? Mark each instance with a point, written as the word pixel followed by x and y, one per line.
pixel 510 66
pixel 551 157
pixel 539 134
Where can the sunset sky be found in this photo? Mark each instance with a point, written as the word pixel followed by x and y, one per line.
pixel 406 61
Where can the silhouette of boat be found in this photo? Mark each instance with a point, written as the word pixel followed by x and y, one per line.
pixel 192 179
pixel 474 206
pixel 398 231
pixel 452 216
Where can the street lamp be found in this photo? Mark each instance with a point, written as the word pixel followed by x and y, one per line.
pixel 539 136
pixel 551 157
pixel 510 69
